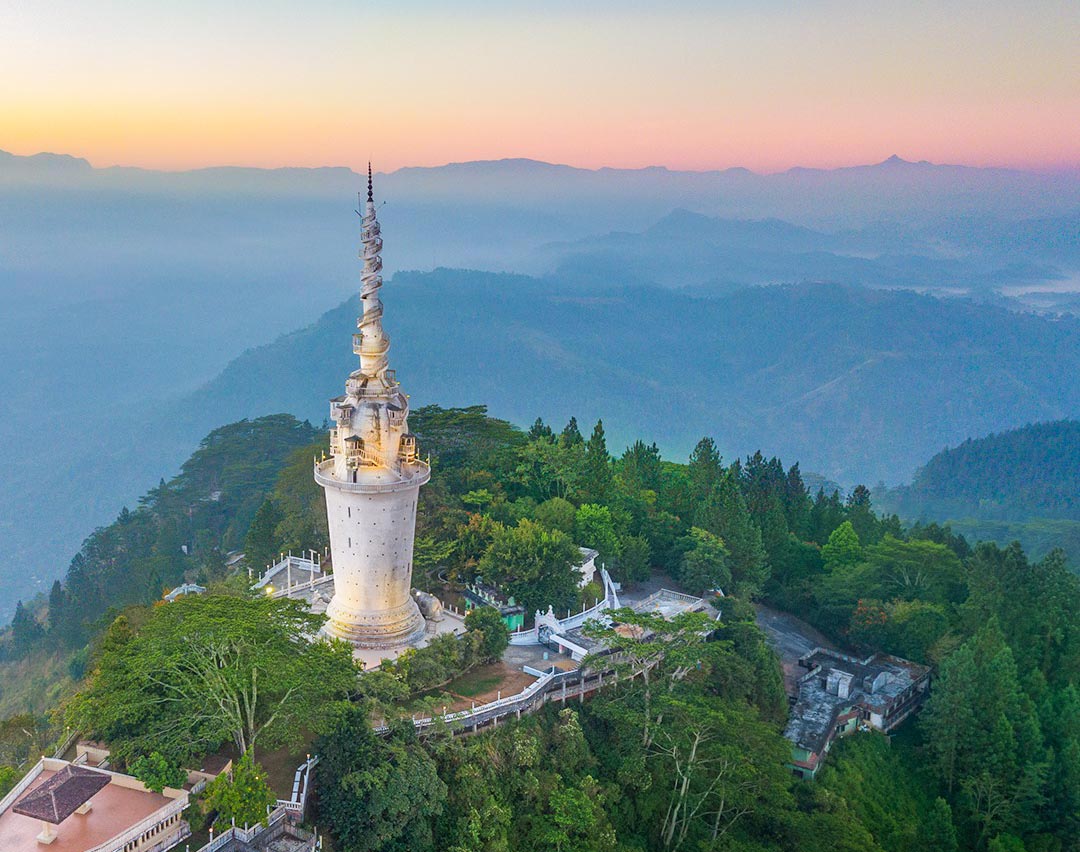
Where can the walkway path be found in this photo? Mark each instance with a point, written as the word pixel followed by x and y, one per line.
pixel 791 638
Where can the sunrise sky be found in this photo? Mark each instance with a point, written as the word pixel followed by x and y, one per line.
pixel 764 84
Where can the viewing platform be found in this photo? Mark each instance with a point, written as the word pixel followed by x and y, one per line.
pixel 324 476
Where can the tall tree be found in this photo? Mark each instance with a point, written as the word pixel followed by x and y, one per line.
pixel 570 434
pixel 746 554
pixel 704 565
pixel 377 794
pixel 706 468
pixel 534 564
pixel 635 560
pixel 978 718
pixel 594 527
pixel 860 513
pixel 639 468
pixel 597 476
pixel 936 832
pixel 209 669
pixel 539 430
pixel 843 548
pixel 262 543
pixel 26 631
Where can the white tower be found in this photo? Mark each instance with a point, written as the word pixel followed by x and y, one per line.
pixel 372 480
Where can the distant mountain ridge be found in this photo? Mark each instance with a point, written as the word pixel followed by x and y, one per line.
pixel 122 289
pixel 853 383
pixel 889 190
pixel 715 254
pixel 1021 484
pixel 1033 471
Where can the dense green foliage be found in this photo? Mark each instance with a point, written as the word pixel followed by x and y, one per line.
pixel 995 765
pixel 684 759
pixel 1022 485
pixel 688 755
pixel 241 797
pixel 377 793
pixel 207 670
pixel 1029 472
pixel 157 772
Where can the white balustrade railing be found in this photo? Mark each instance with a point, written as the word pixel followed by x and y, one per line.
pixel 325 478
pixel 149 824
pixel 65 744
pixel 571 622
pixel 501 706
pixel 245 835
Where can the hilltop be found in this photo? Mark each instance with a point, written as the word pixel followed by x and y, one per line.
pixel 855 384
pixel 1018 484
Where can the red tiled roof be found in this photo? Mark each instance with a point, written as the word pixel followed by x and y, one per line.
pixel 63 794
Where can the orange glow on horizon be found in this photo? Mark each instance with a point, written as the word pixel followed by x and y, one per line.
pixel 690 87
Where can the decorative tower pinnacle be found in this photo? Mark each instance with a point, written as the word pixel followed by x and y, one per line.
pixel 372 480
pixel 372 343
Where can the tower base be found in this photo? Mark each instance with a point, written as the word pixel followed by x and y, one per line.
pixel 394 628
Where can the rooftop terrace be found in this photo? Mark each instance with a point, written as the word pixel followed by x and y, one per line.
pixel 121 808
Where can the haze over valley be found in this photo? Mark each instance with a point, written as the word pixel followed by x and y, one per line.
pixel 125 295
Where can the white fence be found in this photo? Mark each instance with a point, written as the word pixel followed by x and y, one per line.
pixel 550 685
pixel 245 835
pixel 558 625
pixel 145 830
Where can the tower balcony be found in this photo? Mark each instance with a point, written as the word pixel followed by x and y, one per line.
pixel 408 452
pixel 357 455
pixel 371 347
pixel 417 476
pixel 362 386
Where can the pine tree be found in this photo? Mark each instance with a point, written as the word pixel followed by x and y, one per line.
pixel 774 530
pixel 59 621
pixel 596 480
pixel 978 719
pixel 797 502
pixel 706 469
pixel 25 629
pixel 640 467
pixel 860 513
pixel 936 832
pixel 747 560
pixel 826 514
pixel 539 430
pixel 571 435
pixel 261 546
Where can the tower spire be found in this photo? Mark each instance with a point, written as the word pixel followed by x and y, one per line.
pixel 372 343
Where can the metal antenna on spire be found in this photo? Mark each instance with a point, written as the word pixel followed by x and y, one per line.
pixel 370 197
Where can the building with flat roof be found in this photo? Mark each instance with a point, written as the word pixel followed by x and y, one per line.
pixel 840 693
pixel 66 807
